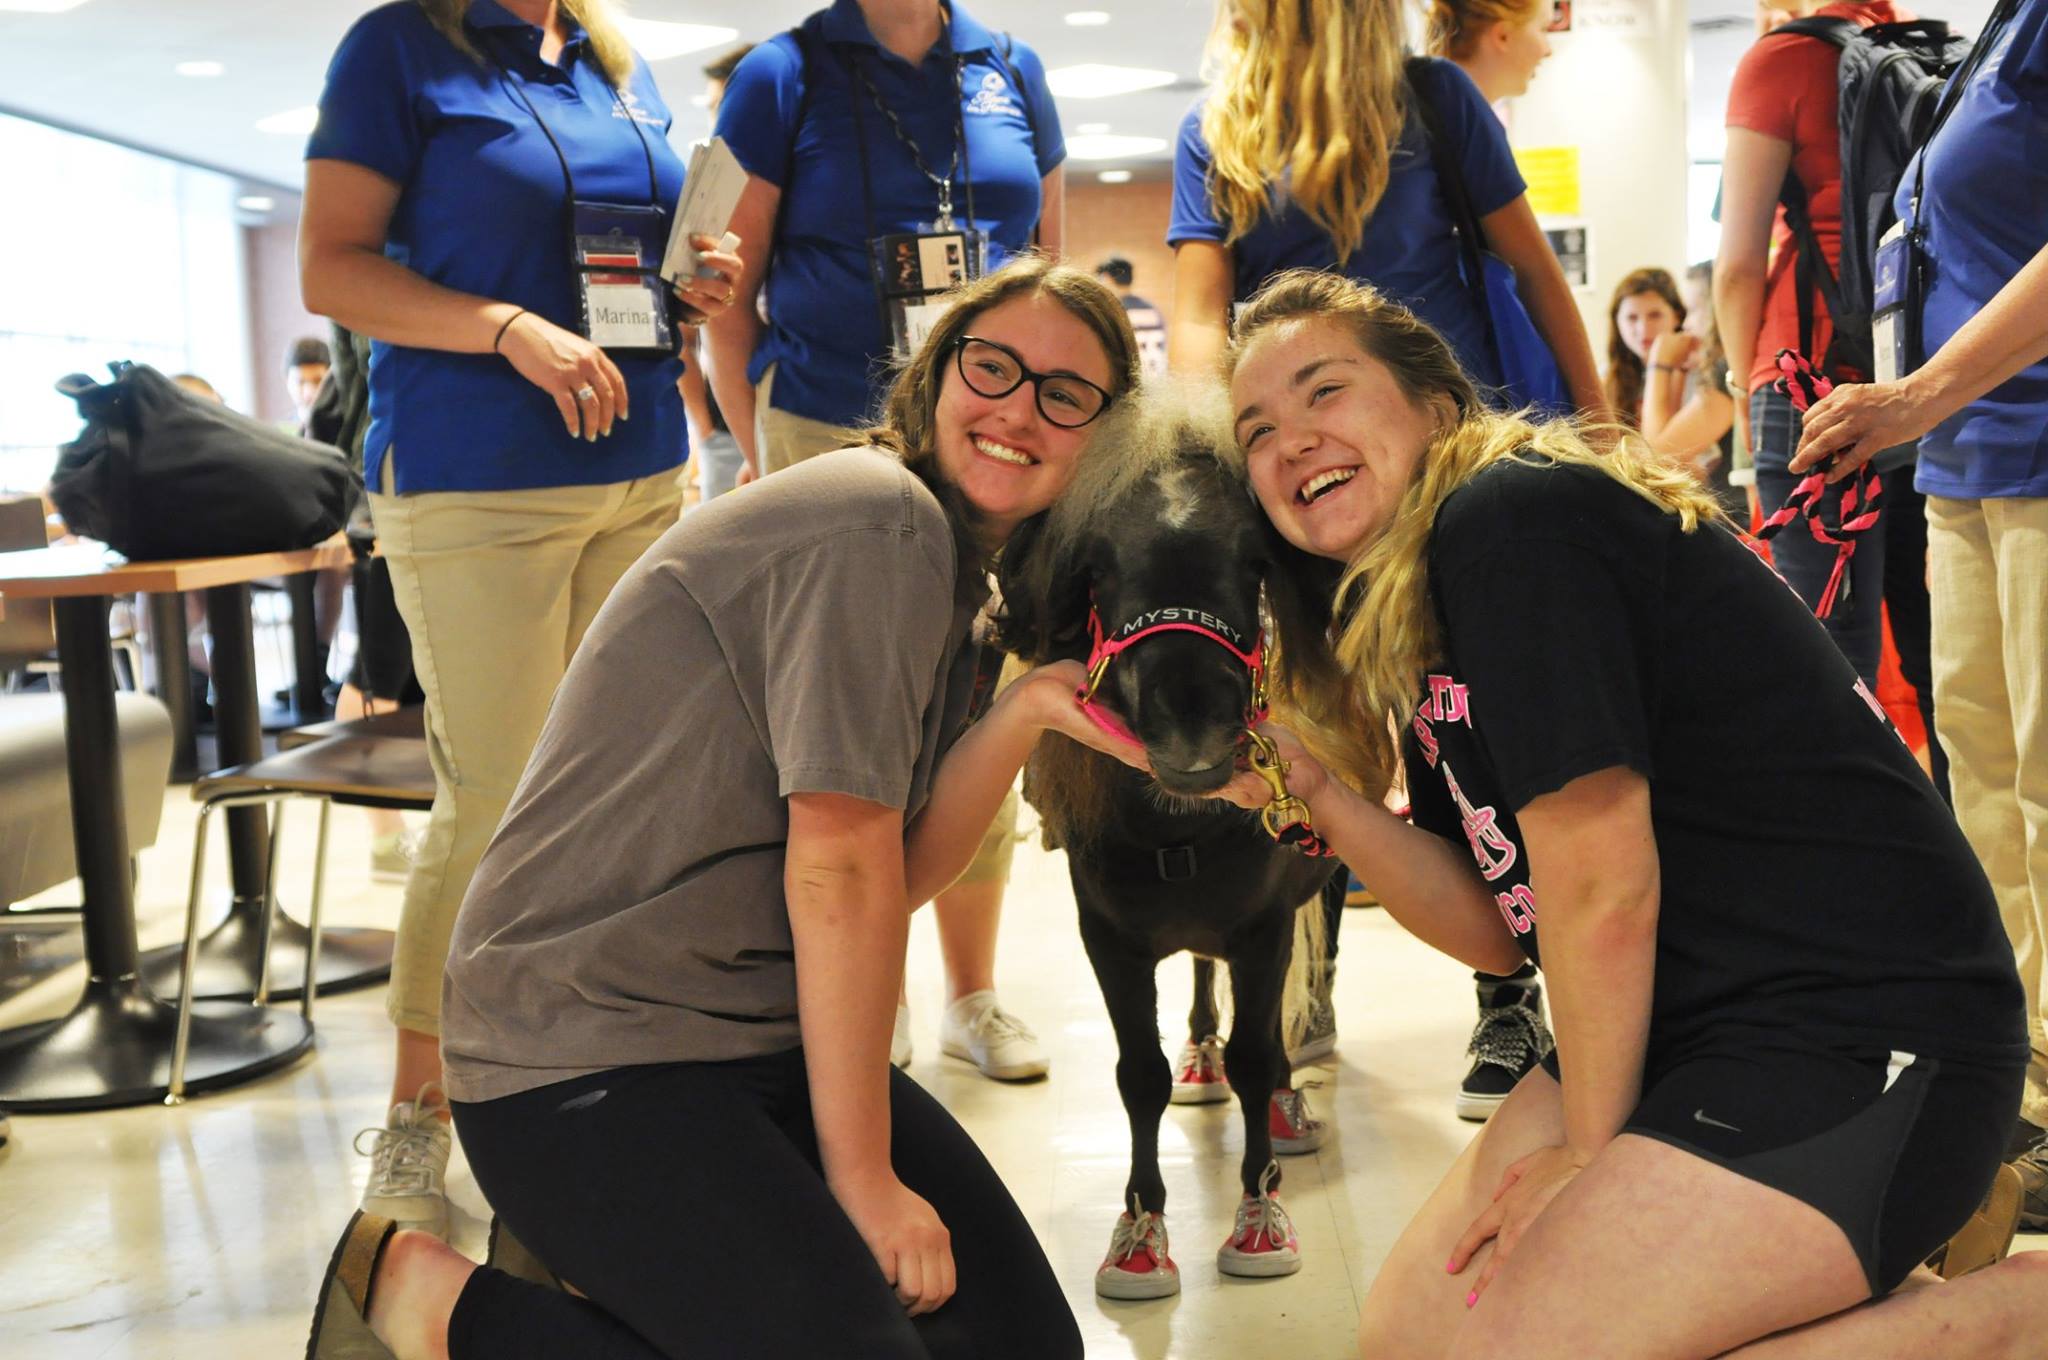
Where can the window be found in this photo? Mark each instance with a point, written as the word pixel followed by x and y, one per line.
pixel 110 254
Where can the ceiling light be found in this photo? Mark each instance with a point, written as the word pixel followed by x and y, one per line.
pixel 1092 129
pixel 658 39
pixel 1111 147
pixel 1091 81
pixel 1088 18
pixel 1115 177
pixel 256 203
pixel 41 6
pixel 200 69
pixel 290 123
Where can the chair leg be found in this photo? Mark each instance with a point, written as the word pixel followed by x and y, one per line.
pixel 311 983
pixel 176 1094
pixel 270 905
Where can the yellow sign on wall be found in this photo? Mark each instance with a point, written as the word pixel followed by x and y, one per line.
pixel 1553 176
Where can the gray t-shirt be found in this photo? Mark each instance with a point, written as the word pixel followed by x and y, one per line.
pixel 801 636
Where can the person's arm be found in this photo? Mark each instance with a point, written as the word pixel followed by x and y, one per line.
pixel 1752 173
pixel 734 333
pixel 1514 234
pixel 1428 885
pixel 1052 212
pixel 1859 420
pixel 843 879
pixel 1664 381
pixel 1204 279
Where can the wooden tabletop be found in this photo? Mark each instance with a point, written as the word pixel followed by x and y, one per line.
pixel 88 568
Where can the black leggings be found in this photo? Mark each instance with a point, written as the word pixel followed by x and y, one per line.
pixel 687 1202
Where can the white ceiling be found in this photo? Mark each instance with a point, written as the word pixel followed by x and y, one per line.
pixel 106 66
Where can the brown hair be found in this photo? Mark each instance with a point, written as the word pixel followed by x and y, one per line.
pixel 1454 24
pixel 907 423
pixel 600 19
pixel 1625 372
pixel 1309 92
pixel 722 69
pixel 1350 656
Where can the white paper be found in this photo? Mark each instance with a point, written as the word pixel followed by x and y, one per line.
pixel 711 190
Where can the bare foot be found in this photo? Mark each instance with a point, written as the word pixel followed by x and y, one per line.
pixel 418 1279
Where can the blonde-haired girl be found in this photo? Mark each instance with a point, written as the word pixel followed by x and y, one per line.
pixel 1789 1032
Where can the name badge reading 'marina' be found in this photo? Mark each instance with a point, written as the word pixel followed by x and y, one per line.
pixel 618 250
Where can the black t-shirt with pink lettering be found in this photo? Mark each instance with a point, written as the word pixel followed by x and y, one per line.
pixel 1813 882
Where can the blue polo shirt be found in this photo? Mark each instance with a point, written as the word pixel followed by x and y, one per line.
pixel 1409 251
pixel 482 209
pixel 1985 213
pixel 796 129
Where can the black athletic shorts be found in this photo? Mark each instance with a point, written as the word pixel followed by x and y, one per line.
pixel 383 668
pixel 1896 1150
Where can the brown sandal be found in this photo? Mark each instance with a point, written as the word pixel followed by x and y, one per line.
pixel 1985 1239
pixel 341 1322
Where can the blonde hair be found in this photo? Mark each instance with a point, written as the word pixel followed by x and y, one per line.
pixel 1453 25
pixel 600 19
pixel 1307 94
pixel 1344 672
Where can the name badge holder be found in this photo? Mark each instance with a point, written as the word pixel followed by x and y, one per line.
pixel 615 252
pixel 914 270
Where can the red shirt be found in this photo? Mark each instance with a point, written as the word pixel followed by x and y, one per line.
pixel 1784 87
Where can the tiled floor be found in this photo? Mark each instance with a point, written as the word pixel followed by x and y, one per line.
pixel 161 1234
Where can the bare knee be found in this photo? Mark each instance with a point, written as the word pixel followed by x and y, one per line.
pixel 1391 1325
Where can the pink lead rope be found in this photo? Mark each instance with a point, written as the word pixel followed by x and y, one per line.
pixel 1805 385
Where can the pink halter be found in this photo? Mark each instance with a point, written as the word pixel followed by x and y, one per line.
pixel 1103 649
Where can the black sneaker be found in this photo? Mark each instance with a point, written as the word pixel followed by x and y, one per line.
pixel 1509 1040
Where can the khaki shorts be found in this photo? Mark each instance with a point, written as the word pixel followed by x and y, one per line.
pixel 784 439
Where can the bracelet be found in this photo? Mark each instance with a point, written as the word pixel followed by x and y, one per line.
pixel 1663 368
pixel 499 338
pixel 1736 388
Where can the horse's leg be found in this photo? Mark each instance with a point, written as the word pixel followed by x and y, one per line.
pixel 1143 1078
pixel 1202 1014
pixel 1255 1060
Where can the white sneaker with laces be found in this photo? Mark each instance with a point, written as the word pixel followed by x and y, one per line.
pixel 1198 1073
pixel 409 1163
pixel 1262 1242
pixel 978 1030
pixel 899 1041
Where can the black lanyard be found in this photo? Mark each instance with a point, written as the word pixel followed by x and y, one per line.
pixel 568 179
pixel 857 80
pixel 1951 96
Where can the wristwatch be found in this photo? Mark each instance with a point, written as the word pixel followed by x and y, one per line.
pixel 1736 388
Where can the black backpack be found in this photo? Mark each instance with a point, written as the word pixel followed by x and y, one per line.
pixel 158 473
pixel 1888 83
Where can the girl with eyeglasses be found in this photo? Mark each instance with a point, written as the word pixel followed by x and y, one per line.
pixel 669 993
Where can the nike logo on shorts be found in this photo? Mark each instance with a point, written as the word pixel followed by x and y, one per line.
pixel 1702 1117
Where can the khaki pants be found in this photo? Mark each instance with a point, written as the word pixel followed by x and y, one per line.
pixel 1988 568
pixel 783 439
pixel 497 588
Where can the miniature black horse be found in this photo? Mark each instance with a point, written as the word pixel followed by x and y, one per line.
pixel 1159 543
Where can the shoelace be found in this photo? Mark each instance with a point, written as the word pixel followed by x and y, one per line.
pixel 1507 1036
pixel 1208 1063
pixel 405 1160
pixel 1263 1214
pixel 1294 1105
pixel 1138 1230
pixel 996 1026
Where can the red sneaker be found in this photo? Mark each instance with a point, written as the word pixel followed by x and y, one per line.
pixel 1294 1131
pixel 1138 1266
pixel 1262 1242
pixel 1198 1075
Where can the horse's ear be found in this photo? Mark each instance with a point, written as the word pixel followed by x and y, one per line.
pixel 1045 594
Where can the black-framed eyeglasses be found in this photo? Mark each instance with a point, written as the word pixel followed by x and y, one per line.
pixel 995 370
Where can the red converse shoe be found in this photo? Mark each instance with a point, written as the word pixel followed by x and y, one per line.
pixel 1137 1266
pixel 1198 1075
pixel 1262 1242
pixel 1294 1131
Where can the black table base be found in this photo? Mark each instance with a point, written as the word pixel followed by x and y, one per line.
pixel 231 958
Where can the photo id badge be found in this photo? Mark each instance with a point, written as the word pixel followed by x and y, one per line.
pixel 1892 305
pixel 913 273
pixel 617 255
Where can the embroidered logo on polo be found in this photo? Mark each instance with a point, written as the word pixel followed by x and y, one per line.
pixel 993 97
pixel 1493 850
pixel 627 105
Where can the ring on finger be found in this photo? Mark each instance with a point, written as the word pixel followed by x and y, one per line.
pixel 586 393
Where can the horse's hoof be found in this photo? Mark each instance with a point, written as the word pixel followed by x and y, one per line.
pixel 1198 1074
pixel 1138 1265
pixel 1262 1244
pixel 1293 1130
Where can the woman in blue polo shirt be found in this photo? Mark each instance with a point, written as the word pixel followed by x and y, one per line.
pixel 1979 407
pixel 887 144
pixel 525 430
